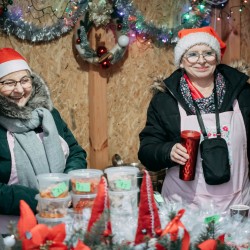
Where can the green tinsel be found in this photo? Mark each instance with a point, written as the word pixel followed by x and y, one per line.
pixel 12 23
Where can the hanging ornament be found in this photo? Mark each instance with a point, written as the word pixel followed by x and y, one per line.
pixel 123 41
pixel 101 50
pixel 119 26
pixel 106 64
pixel 78 41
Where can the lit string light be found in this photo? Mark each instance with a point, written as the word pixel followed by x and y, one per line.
pixel 4 5
pixel 228 15
pixel 51 11
pixel 195 11
pixel 32 23
pixel 134 23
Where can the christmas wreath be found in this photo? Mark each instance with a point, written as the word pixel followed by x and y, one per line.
pixel 100 15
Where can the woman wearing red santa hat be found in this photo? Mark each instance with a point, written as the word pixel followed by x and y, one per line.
pixel 33 137
pixel 202 91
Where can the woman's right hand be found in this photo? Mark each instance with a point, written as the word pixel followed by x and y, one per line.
pixel 179 154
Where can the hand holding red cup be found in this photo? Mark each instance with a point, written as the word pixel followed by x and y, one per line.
pixel 190 139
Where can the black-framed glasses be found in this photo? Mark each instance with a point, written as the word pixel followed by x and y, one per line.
pixel 8 85
pixel 194 56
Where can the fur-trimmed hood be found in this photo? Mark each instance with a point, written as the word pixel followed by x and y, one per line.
pixel 40 97
pixel 159 86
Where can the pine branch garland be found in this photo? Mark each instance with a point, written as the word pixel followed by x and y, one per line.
pixel 222 246
pixel 168 244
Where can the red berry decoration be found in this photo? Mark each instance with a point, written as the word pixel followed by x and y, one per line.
pixel 101 50
pixel 78 41
pixel 158 231
pixel 119 26
pixel 106 233
pixel 1 11
pixel 106 64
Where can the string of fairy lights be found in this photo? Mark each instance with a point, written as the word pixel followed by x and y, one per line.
pixel 43 21
pixel 31 23
pixel 67 10
pixel 229 14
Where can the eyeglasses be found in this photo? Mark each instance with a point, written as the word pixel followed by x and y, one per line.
pixel 194 56
pixel 9 85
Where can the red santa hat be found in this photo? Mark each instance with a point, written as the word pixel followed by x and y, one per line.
pixel 148 218
pixel 191 37
pixel 11 61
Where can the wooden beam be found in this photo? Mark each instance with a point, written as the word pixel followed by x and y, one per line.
pixel 98 124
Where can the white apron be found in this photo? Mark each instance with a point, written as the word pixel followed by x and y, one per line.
pixel 197 193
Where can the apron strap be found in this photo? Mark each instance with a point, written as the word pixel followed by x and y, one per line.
pixel 217 117
pixel 182 111
pixel 236 106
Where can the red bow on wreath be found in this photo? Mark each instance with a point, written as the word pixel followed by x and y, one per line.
pixel 173 228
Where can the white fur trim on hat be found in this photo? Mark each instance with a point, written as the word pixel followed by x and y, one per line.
pixel 13 66
pixel 193 39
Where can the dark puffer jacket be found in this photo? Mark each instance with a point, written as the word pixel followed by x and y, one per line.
pixel 10 195
pixel 162 128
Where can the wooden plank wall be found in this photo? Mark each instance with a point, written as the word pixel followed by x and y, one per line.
pixel 229 29
pixel 126 85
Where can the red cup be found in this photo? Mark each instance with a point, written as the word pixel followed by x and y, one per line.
pixel 190 139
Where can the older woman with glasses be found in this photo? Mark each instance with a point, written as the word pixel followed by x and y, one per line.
pixel 200 91
pixel 34 138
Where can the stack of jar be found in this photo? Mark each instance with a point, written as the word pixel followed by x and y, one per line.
pixel 123 195
pixel 84 188
pixel 53 198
